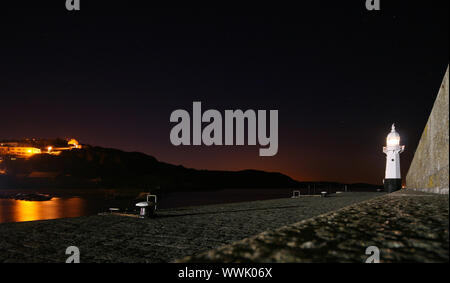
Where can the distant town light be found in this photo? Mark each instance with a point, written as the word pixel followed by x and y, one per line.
pixel 73 142
pixel 23 150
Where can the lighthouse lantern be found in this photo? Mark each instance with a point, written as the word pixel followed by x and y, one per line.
pixel 393 139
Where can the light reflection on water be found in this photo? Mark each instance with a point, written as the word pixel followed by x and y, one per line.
pixel 21 210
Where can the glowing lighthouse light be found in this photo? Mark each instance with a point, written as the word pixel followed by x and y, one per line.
pixel 393 179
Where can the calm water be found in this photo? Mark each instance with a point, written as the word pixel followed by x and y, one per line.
pixel 20 210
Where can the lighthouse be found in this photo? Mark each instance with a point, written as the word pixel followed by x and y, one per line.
pixel 393 179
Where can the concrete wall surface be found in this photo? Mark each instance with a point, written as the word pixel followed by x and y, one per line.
pixel 429 170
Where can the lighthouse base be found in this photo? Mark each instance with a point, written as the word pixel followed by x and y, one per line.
pixel 392 185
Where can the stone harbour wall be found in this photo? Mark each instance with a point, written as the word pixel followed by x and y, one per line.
pixel 429 170
pixel 405 226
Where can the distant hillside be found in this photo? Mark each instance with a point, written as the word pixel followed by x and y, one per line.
pixel 97 167
pixel 111 168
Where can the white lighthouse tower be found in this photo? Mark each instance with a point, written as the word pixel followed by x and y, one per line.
pixel 393 178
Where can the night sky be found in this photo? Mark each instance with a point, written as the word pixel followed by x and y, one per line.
pixel 110 75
